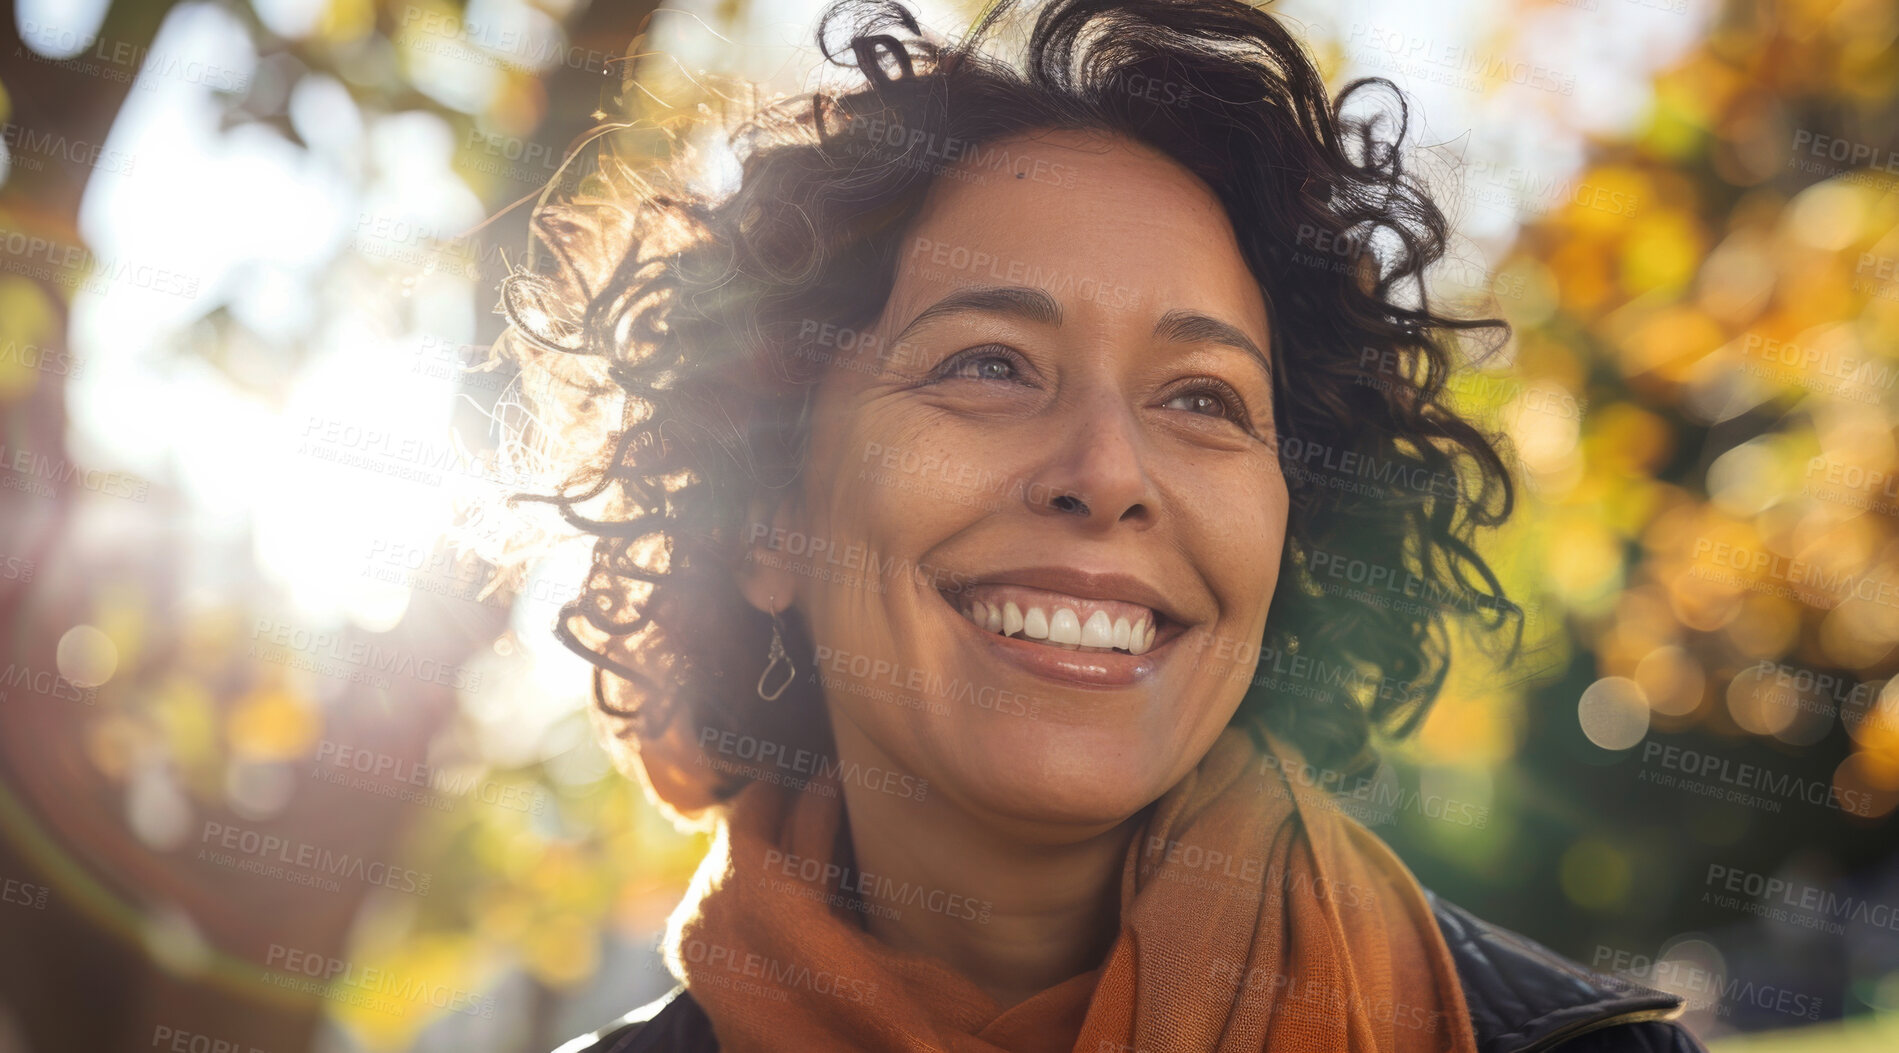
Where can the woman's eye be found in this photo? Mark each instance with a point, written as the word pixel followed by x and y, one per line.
pixel 1203 402
pixel 982 367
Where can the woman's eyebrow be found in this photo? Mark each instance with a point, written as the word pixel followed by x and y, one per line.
pixel 1193 327
pixel 1022 301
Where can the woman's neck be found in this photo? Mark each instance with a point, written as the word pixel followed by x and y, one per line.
pixel 1013 912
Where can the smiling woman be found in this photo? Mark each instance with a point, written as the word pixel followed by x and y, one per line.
pixel 1017 504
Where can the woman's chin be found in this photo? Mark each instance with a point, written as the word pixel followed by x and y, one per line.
pixel 1058 777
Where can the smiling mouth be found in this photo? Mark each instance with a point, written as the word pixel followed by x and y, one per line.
pixel 1061 622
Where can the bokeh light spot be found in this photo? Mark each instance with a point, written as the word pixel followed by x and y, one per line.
pixel 1614 713
pixel 86 656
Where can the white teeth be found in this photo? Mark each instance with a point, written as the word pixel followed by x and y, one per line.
pixel 1064 626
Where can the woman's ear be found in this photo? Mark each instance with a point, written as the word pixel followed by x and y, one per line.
pixel 764 574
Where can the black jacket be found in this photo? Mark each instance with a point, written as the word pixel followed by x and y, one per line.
pixel 1522 998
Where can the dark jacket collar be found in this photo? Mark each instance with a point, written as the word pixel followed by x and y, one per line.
pixel 1522 998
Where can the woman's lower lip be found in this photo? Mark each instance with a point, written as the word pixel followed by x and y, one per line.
pixel 1078 668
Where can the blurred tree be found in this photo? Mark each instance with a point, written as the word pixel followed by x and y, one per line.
pixel 1711 292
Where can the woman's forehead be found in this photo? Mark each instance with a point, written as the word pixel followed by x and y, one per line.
pixel 1095 222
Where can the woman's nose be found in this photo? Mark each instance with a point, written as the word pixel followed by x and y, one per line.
pixel 1096 466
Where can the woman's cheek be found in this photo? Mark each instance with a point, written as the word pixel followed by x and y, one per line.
pixel 921 491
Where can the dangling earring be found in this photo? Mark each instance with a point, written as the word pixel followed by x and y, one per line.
pixel 776 655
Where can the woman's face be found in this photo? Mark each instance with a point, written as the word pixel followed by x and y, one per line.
pixel 1063 419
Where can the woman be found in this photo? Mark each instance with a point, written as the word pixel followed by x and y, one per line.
pixel 1017 503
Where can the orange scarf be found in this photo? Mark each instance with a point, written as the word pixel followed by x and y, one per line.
pixel 1254 916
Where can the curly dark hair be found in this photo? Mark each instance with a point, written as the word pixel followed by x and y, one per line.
pixel 674 328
